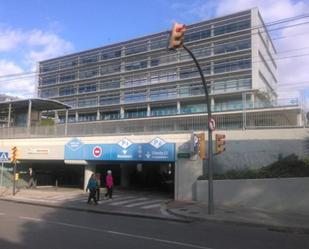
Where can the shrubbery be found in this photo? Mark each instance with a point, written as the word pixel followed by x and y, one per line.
pixel 289 166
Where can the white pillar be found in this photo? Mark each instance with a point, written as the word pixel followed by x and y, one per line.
pixel 121 112
pixel 29 114
pixel 89 170
pixel 76 116
pixel 9 115
pixel 98 114
pixel 148 111
pixel 178 107
pixel 66 122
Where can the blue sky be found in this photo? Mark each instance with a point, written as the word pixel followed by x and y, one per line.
pixel 34 30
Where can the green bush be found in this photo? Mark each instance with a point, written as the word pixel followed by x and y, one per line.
pixel 289 166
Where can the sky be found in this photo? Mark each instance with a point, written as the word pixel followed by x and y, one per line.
pixel 35 30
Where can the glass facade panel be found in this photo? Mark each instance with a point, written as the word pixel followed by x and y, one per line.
pixel 163 111
pixel 109 69
pixel 137 80
pixel 110 99
pixel 193 108
pixel 191 90
pixel 68 77
pixel 132 97
pixel 67 90
pixel 135 113
pixel 232 65
pixel 110 84
pixel 190 72
pixel 163 59
pixel 231 26
pixel 158 43
pixel 68 63
pixel 70 102
pixel 163 76
pixel 106 55
pixel 197 35
pixel 161 94
pixel 136 48
pixel 231 85
pixel 136 65
pixel 48 93
pixel 50 67
pixel 87 117
pixel 89 73
pixel 227 47
pixel 88 102
pixel 48 80
pixel 89 58
pixel 86 88
pixel 110 115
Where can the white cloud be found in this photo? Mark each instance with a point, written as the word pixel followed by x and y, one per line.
pixel 289 70
pixel 21 50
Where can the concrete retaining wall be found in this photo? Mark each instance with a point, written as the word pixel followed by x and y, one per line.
pixel 273 194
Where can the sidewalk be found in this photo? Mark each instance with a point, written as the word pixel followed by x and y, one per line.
pixel 75 199
pixel 278 221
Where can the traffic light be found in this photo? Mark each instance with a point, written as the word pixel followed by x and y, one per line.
pixel 201 145
pixel 177 36
pixel 220 143
pixel 13 154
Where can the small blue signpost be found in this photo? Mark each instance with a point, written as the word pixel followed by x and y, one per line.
pixel 4 158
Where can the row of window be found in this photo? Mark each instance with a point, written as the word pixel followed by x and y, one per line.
pixel 156 43
pixel 186 90
pixel 185 72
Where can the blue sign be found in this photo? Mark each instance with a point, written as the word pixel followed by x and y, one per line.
pixel 124 150
pixel 4 157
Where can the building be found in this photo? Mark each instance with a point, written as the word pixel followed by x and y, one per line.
pixel 140 79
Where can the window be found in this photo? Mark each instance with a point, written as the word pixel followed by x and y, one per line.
pixel 158 43
pixel 89 58
pixel 197 35
pixel 67 90
pixel 48 81
pixel 136 65
pixel 50 67
pixel 89 73
pixel 110 99
pixel 197 51
pixel 87 102
pixel 232 65
pixel 164 93
pixel 190 72
pixel 132 97
pixel 163 111
pixel 106 55
pixel 110 84
pixel 163 59
pixel 192 89
pixel 163 76
pixel 135 113
pixel 110 115
pixel 109 69
pixel 68 77
pixel 231 85
pixel 231 46
pixel 136 80
pixel 70 102
pixel 231 26
pixel 86 88
pixel 193 108
pixel 68 63
pixel 87 117
pixel 47 93
pixel 136 48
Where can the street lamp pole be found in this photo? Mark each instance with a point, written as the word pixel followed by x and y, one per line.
pixel 210 164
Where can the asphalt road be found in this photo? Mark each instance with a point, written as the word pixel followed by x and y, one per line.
pixel 29 226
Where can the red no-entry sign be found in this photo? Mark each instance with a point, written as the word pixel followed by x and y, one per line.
pixel 97 151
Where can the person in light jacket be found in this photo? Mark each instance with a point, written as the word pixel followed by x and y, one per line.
pixel 109 184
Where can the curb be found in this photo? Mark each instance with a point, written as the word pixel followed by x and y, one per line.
pixel 96 211
pixel 270 227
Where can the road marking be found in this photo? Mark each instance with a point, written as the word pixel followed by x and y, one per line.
pixel 34 200
pixel 152 206
pixel 127 201
pixel 118 233
pixel 2 213
pixel 143 203
pixel 30 218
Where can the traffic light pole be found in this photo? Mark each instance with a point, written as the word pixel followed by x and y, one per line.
pixel 210 165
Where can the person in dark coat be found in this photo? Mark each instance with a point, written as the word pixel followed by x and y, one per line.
pixel 92 187
pixel 98 178
pixel 32 178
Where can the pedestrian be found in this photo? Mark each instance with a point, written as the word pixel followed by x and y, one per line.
pixel 32 178
pixel 92 187
pixel 109 185
pixel 98 178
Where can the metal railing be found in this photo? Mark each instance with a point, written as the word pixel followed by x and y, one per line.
pixel 251 119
